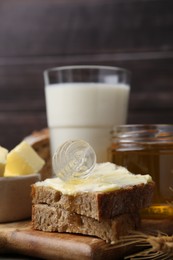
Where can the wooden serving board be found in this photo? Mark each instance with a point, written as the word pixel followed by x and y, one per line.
pixel 20 238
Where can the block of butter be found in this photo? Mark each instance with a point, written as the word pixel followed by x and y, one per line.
pixel 3 158
pixel 23 160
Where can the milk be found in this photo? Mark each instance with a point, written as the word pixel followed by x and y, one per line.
pixel 85 111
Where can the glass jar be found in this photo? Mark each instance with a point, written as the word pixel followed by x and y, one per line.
pixel 148 149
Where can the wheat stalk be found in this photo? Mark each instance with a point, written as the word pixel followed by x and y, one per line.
pixel 152 247
pixel 155 247
pixel 158 247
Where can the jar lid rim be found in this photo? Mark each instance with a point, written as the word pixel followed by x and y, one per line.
pixel 150 133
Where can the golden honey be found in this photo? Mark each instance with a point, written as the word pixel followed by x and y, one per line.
pixel 148 149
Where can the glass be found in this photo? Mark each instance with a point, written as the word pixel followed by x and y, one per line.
pixel 148 149
pixel 85 102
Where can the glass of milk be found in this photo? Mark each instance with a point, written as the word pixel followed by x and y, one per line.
pixel 85 102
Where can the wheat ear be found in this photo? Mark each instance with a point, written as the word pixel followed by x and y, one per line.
pixel 158 247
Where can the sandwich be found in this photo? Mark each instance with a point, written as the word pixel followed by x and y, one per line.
pixel 106 204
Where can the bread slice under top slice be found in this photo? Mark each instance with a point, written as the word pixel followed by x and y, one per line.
pixel 97 205
pixel 52 219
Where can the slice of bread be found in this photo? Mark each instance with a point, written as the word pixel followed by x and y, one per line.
pixel 52 219
pixel 39 140
pixel 98 205
pixel 106 204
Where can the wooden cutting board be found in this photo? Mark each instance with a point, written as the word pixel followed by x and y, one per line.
pixel 20 238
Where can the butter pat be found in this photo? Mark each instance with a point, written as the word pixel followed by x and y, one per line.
pixel 3 158
pixel 23 160
pixel 104 178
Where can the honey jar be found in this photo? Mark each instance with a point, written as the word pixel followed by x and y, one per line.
pixel 148 149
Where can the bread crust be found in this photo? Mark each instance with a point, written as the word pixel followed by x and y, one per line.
pixel 51 219
pixel 97 205
pixel 39 140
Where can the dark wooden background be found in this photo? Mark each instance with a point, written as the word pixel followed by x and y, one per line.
pixel 39 34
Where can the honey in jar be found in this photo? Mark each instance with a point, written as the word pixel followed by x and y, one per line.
pixel 148 149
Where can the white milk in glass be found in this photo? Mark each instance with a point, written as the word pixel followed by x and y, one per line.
pixel 85 111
